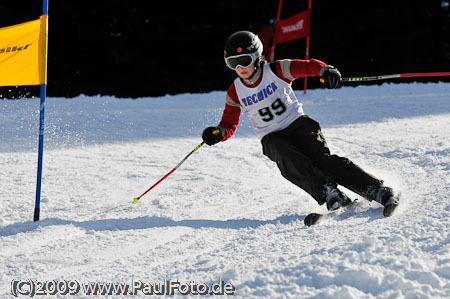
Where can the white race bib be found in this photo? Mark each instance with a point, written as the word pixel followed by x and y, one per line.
pixel 271 106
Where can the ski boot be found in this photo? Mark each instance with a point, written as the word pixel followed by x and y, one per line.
pixel 388 199
pixel 336 199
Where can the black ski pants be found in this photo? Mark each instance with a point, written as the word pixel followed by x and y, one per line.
pixel 303 157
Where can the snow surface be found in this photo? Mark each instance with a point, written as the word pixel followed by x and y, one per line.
pixel 226 213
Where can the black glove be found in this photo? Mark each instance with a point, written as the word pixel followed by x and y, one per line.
pixel 331 77
pixel 213 135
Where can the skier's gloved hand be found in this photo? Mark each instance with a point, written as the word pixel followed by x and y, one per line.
pixel 331 77
pixel 213 135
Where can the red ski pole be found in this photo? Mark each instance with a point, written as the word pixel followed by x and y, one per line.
pixel 384 77
pixel 136 199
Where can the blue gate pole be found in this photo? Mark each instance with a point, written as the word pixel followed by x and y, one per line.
pixel 40 152
pixel 41 132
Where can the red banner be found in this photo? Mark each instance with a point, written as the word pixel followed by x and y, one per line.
pixel 292 28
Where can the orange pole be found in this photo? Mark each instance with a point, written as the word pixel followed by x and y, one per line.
pixel 307 44
pixel 272 52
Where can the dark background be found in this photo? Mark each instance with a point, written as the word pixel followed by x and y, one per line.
pixel 131 48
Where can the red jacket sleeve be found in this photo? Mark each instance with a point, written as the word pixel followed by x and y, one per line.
pixel 231 114
pixel 291 69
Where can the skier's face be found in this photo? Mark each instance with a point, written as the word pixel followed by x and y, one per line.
pixel 245 72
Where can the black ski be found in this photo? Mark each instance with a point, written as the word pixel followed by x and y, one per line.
pixel 315 218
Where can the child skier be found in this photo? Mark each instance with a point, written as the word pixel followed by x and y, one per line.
pixel 289 137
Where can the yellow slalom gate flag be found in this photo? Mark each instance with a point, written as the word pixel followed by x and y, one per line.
pixel 23 53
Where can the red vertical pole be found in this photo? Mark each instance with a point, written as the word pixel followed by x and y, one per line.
pixel 272 52
pixel 307 43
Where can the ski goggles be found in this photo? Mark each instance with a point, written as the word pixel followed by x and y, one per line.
pixel 242 60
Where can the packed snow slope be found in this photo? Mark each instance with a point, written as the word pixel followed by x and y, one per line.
pixel 226 214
